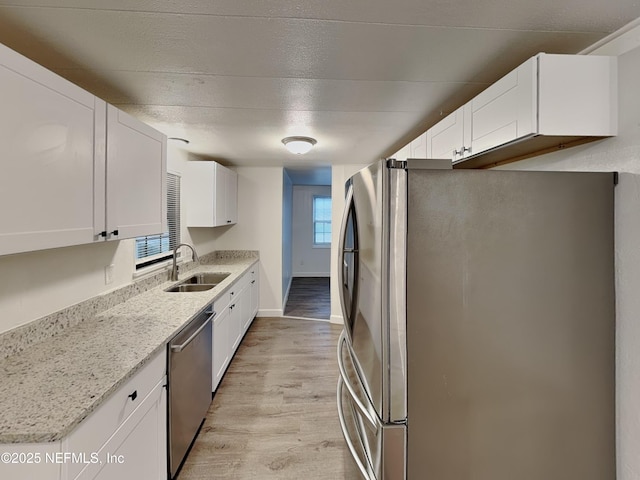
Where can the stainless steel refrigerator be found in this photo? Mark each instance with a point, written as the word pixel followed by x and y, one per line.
pixel 479 339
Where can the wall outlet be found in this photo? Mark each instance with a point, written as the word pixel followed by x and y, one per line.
pixel 108 274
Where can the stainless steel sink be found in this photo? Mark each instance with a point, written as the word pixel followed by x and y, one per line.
pixel 199 282
pixel 205 278
pixel 190 287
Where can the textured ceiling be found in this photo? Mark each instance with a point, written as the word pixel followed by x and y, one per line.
pixel 234 77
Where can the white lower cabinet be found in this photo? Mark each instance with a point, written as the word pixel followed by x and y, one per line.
pixel 28 461
pixel 254 287
pixel 127 434
pixel 137 450
pixel 124 438
pixel 235 310
pixel 221 347
pixel 235 321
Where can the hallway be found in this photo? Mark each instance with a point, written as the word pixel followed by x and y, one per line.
pixel 274 415
pixel 309 297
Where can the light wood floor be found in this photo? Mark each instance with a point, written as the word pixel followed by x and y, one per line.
pixel 274 414
pixel 309 297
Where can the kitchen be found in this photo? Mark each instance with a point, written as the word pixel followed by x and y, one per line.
pixel 39 283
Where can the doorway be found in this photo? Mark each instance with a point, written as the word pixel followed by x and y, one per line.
pixel 307 243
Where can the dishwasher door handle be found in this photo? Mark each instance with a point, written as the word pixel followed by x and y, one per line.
pixel 182 346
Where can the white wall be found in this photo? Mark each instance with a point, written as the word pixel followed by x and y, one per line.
pixel 287 234
pixel 36 284
pixel 307 260
pixel 260 191
pixel 621 154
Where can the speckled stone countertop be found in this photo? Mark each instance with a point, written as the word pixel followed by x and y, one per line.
pixel 49 388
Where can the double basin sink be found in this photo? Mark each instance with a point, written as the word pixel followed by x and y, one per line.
pixel 199 282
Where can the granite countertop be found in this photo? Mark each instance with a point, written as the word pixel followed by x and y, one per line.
pixel 49 388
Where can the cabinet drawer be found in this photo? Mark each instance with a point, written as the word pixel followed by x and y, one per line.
pixel 243 282
pixel 99 426
pixel 138 447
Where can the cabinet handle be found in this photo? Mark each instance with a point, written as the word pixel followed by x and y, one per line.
pixel 103 234
pixel 465 150
pixel 457 152
pixel 134 395
pixel 252 282
pixel 115 232
pixel 228 221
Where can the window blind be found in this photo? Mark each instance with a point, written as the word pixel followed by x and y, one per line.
pixel 156 248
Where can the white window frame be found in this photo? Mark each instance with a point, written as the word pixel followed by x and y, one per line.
pixel 313 223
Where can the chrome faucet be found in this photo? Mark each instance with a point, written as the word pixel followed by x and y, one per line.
pixel 174 268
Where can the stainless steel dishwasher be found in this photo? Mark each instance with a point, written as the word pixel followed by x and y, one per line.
pixel 189 367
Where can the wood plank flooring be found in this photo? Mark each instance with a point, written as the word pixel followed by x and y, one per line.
pixel 309 297
pixel 274 414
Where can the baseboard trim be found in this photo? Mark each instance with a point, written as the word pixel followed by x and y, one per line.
pixel 286 295
pixel 308 275
pixel 337 319
pixel 325 320
pixel 270 312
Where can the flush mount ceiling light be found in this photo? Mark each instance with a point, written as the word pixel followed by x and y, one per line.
pixel 299 145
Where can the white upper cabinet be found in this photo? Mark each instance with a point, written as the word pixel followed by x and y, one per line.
pixel 211 193
pixel 231 207
pixel 136 178
pixel 447 137
pixel 418 147
pixel 403 153
pixel 50 133
pixel 503 112
pixel 75 170
pixel 551 101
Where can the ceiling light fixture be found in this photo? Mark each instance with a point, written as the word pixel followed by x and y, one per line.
pixel 299 145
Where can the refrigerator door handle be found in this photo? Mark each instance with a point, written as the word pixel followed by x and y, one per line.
pixel 343 374
pixel 348 205
pixel 347 436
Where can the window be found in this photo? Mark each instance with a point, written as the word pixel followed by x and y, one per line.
pixel 157 248
pixel 321 221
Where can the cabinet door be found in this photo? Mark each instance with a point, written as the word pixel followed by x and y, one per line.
pixel 136 174
pixel 245 308
pixel 211 192
pixel 418 146
pixel 220 196
pixel 232 197
pixel 226 196
pixel 48 128
pixel 446 139
pixel 139 448
pixel 403 153
pixel 221 346
pixel 505 111
pixel 39 461
pixel 199 193
pixel 235 321
pixel 254 287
